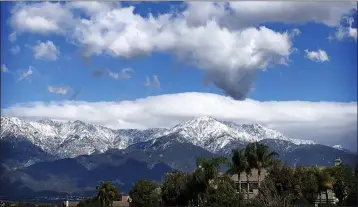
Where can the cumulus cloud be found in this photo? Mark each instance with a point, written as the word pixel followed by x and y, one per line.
pixel 15 50
pixel 46 51
pixel 43 18
pixel 58 90
pixel 231 62
pixel 317 56
pixel 323 122
pixel 124 74
pixel 155 83
pixel 26 74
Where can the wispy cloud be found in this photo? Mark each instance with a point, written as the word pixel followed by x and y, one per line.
pixel 124 74
pixel 46 51
pixel 26 74
pixel 317 56
pixel 155 83
pixel 15 49
pixel 58 90
pixel 4 69
pixel 12 37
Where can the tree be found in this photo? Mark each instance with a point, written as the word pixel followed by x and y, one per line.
pixel 174 189
pixel 259 156
pixel 207 170
pixel 238 162
pixel 106 193
pixel 305 178
pixel 324 181
pixel 343 182
pixel 143 193
pixel 222 192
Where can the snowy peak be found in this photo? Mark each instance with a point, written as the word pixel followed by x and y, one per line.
pixel 213 135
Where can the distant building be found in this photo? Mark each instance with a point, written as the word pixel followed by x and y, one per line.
pixel 124 202
pixel 252 186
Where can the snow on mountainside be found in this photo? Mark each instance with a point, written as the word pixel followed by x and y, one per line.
pixel 70 139
pixel 214 135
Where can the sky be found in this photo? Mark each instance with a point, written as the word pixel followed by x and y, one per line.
pixel 291 66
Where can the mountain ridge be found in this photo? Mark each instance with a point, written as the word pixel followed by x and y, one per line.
pixel 74 138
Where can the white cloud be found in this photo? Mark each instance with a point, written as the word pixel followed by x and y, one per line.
pixel 4 69
pixel 124 74
pixel 46 51
pixel 345 31
pixel 42 18
pixel 317 56
pixel 155 83
pixel 231 62
pixel 26 74
pixel 58 90
pixel 12 37
pixel 324 122
pixel 247 13
pixel 15 50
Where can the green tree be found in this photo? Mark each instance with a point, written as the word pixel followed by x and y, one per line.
pixel 238 162
pixel 106 193
pixel 174 189
pixel 324 181
pixel 259 156
pixel 207 170
pixel 143 193
pixel 305 178
pixel 344 183
pixel 222 192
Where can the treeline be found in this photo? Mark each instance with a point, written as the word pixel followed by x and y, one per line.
pixel 283 185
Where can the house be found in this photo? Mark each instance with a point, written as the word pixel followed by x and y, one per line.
pixel 252 185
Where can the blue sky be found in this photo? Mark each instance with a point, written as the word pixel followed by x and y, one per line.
pixel 182 65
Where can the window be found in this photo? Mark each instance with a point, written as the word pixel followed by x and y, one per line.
pixel 237 185
pixel 243 187
pixel 253 186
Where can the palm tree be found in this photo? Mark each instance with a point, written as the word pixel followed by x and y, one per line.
pixel 260 156
pixel 106 193
pixel 238 163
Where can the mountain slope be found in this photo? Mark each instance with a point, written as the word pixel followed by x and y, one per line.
pixel 70 176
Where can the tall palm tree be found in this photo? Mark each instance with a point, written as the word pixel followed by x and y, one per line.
pixel 238 163
pixel 260 156
pixel 106 193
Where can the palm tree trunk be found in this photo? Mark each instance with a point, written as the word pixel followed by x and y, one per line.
pixel 247 188
pixel 326 196
pixel 258 177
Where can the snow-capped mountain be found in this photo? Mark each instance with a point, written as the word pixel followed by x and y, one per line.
pixel 214 135
pixel 71 139
pixel 74 138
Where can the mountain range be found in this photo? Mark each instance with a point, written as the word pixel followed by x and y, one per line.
pixel 81 154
